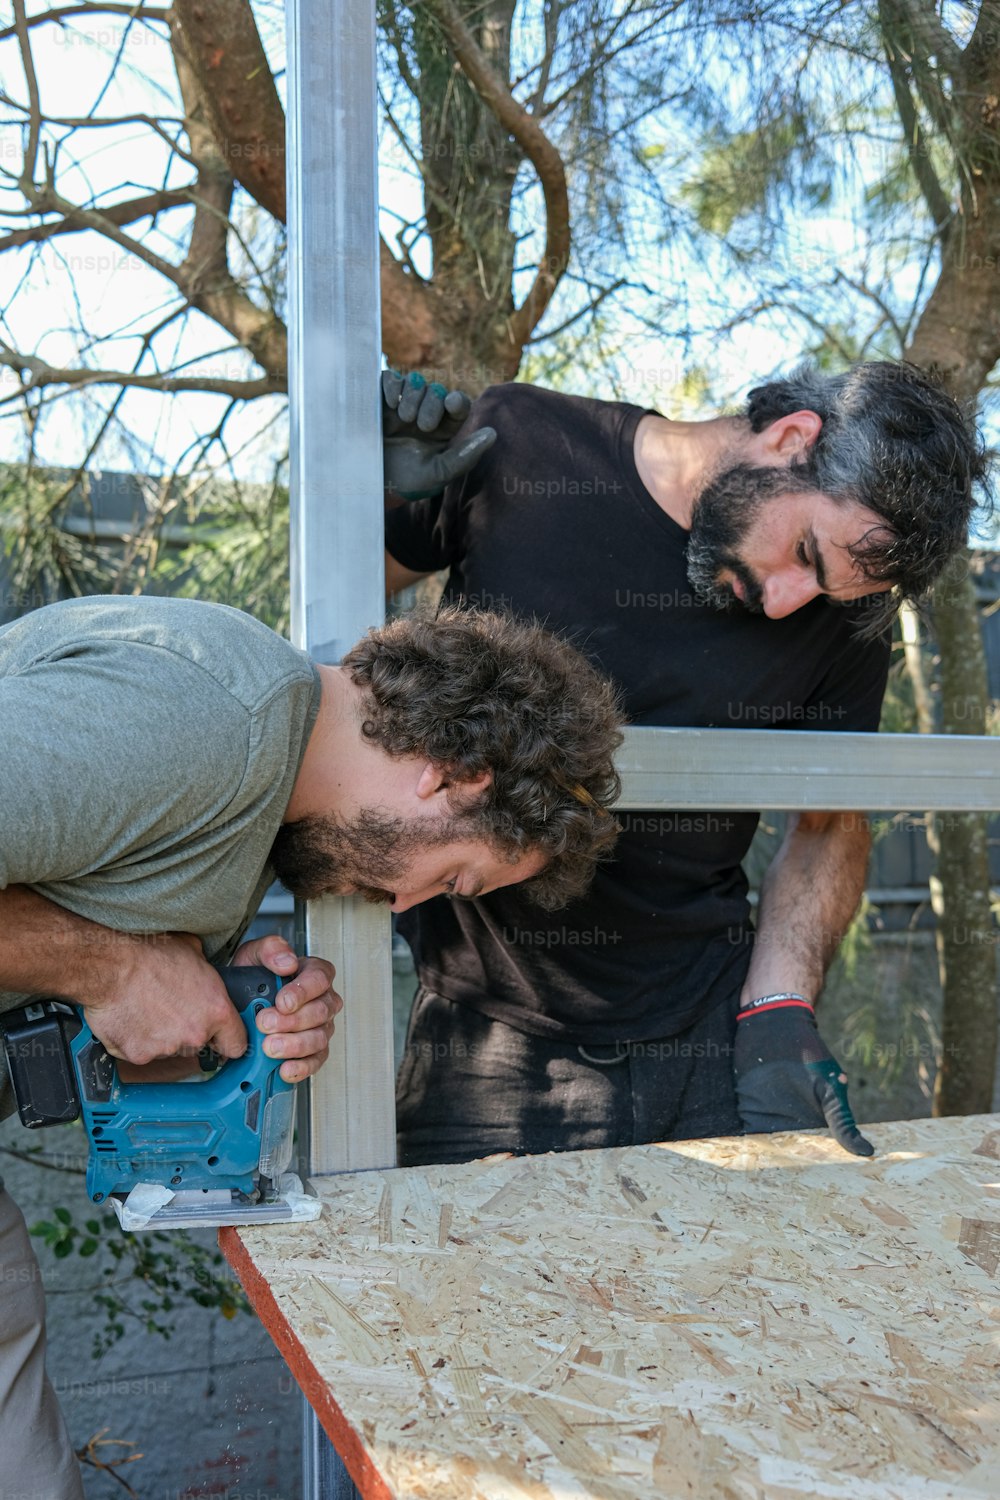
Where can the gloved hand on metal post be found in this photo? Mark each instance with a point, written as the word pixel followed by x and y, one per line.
pixel 786 1076
pixel 420 422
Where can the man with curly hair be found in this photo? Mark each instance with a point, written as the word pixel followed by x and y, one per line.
pixel 161 760
pixel 735 572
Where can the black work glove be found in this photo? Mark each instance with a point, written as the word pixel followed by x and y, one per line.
pixel 419 422
pixel 786 1076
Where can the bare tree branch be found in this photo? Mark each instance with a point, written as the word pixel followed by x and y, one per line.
pixel 59 13
pixel 537 148
pixel 552 10
pixel 591 307
pixel 409 325
pixel 112 410
pixel 41 374
pixel 30 160
pixel 148 206
pixel 406 73
pixel 873 296
pixel 92 122
pixel 50 201
pixel 224 51
pixel 933 39
pixel 916 143
pixel 205 275
pixel 432 192
pixel 604 53
pixel 906 27
pixel 238 99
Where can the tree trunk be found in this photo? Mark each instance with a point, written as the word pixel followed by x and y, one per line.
pixel 469 164
pixel 461 325
pixel 966 934
pixel 958 336
pixel 965 930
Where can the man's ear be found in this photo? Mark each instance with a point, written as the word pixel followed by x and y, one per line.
pixel 788 440
pixel 434 779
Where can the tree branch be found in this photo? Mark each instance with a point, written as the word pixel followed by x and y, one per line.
pixel 223 49
pixel 600 49
pixel 90 122
pixel 409 328
pixel 904 24
pixel 583 312
pixel 916 145
pixel 148 206
pixel 933 39
pixel 49 201
pixel 109 415
pixel 537 148
pixel 41 374
pixel 432 193
pixel 27 178
pixel 863 290
pixel 58 13
pixel 390 23
pixel 550 21
pixel 205 276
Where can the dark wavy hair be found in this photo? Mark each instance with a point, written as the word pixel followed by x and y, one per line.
pixel 477 691
pixel 896 442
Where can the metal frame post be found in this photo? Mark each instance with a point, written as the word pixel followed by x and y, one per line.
pixel 336 500
pixel 337 576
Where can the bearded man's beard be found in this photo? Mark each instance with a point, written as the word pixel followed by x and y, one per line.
pixel 721 518
pixel 368 853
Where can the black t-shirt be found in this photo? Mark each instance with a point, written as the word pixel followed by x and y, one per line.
pixel 554 523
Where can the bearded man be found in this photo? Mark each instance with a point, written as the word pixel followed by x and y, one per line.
pixel 162 760
pixel 737 572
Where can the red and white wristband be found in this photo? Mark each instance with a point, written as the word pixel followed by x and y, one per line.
pixel 786 1000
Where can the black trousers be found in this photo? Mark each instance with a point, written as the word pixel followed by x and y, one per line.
pixel 469 1086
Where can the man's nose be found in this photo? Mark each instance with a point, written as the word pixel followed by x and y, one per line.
pixel 786 592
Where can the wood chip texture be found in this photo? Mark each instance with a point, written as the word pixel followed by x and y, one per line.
pixel 761 1318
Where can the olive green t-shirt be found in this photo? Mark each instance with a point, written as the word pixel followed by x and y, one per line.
pixel 148 750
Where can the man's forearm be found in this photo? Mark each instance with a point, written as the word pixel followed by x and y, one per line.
pixel 808 897
pixel 144 995
pixel 47 950
pixel 149 995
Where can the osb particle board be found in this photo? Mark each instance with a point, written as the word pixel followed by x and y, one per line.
pixel 762 1318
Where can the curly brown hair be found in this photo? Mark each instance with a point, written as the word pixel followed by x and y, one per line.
pixel 475 691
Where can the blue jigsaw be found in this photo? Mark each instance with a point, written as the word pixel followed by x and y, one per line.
pixel 218 1145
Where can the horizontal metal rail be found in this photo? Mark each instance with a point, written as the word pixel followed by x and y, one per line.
pixel 761 769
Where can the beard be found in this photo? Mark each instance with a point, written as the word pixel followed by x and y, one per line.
pixel 721 518
pixel 366 854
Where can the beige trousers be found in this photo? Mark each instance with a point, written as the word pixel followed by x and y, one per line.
pixel 37 1461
